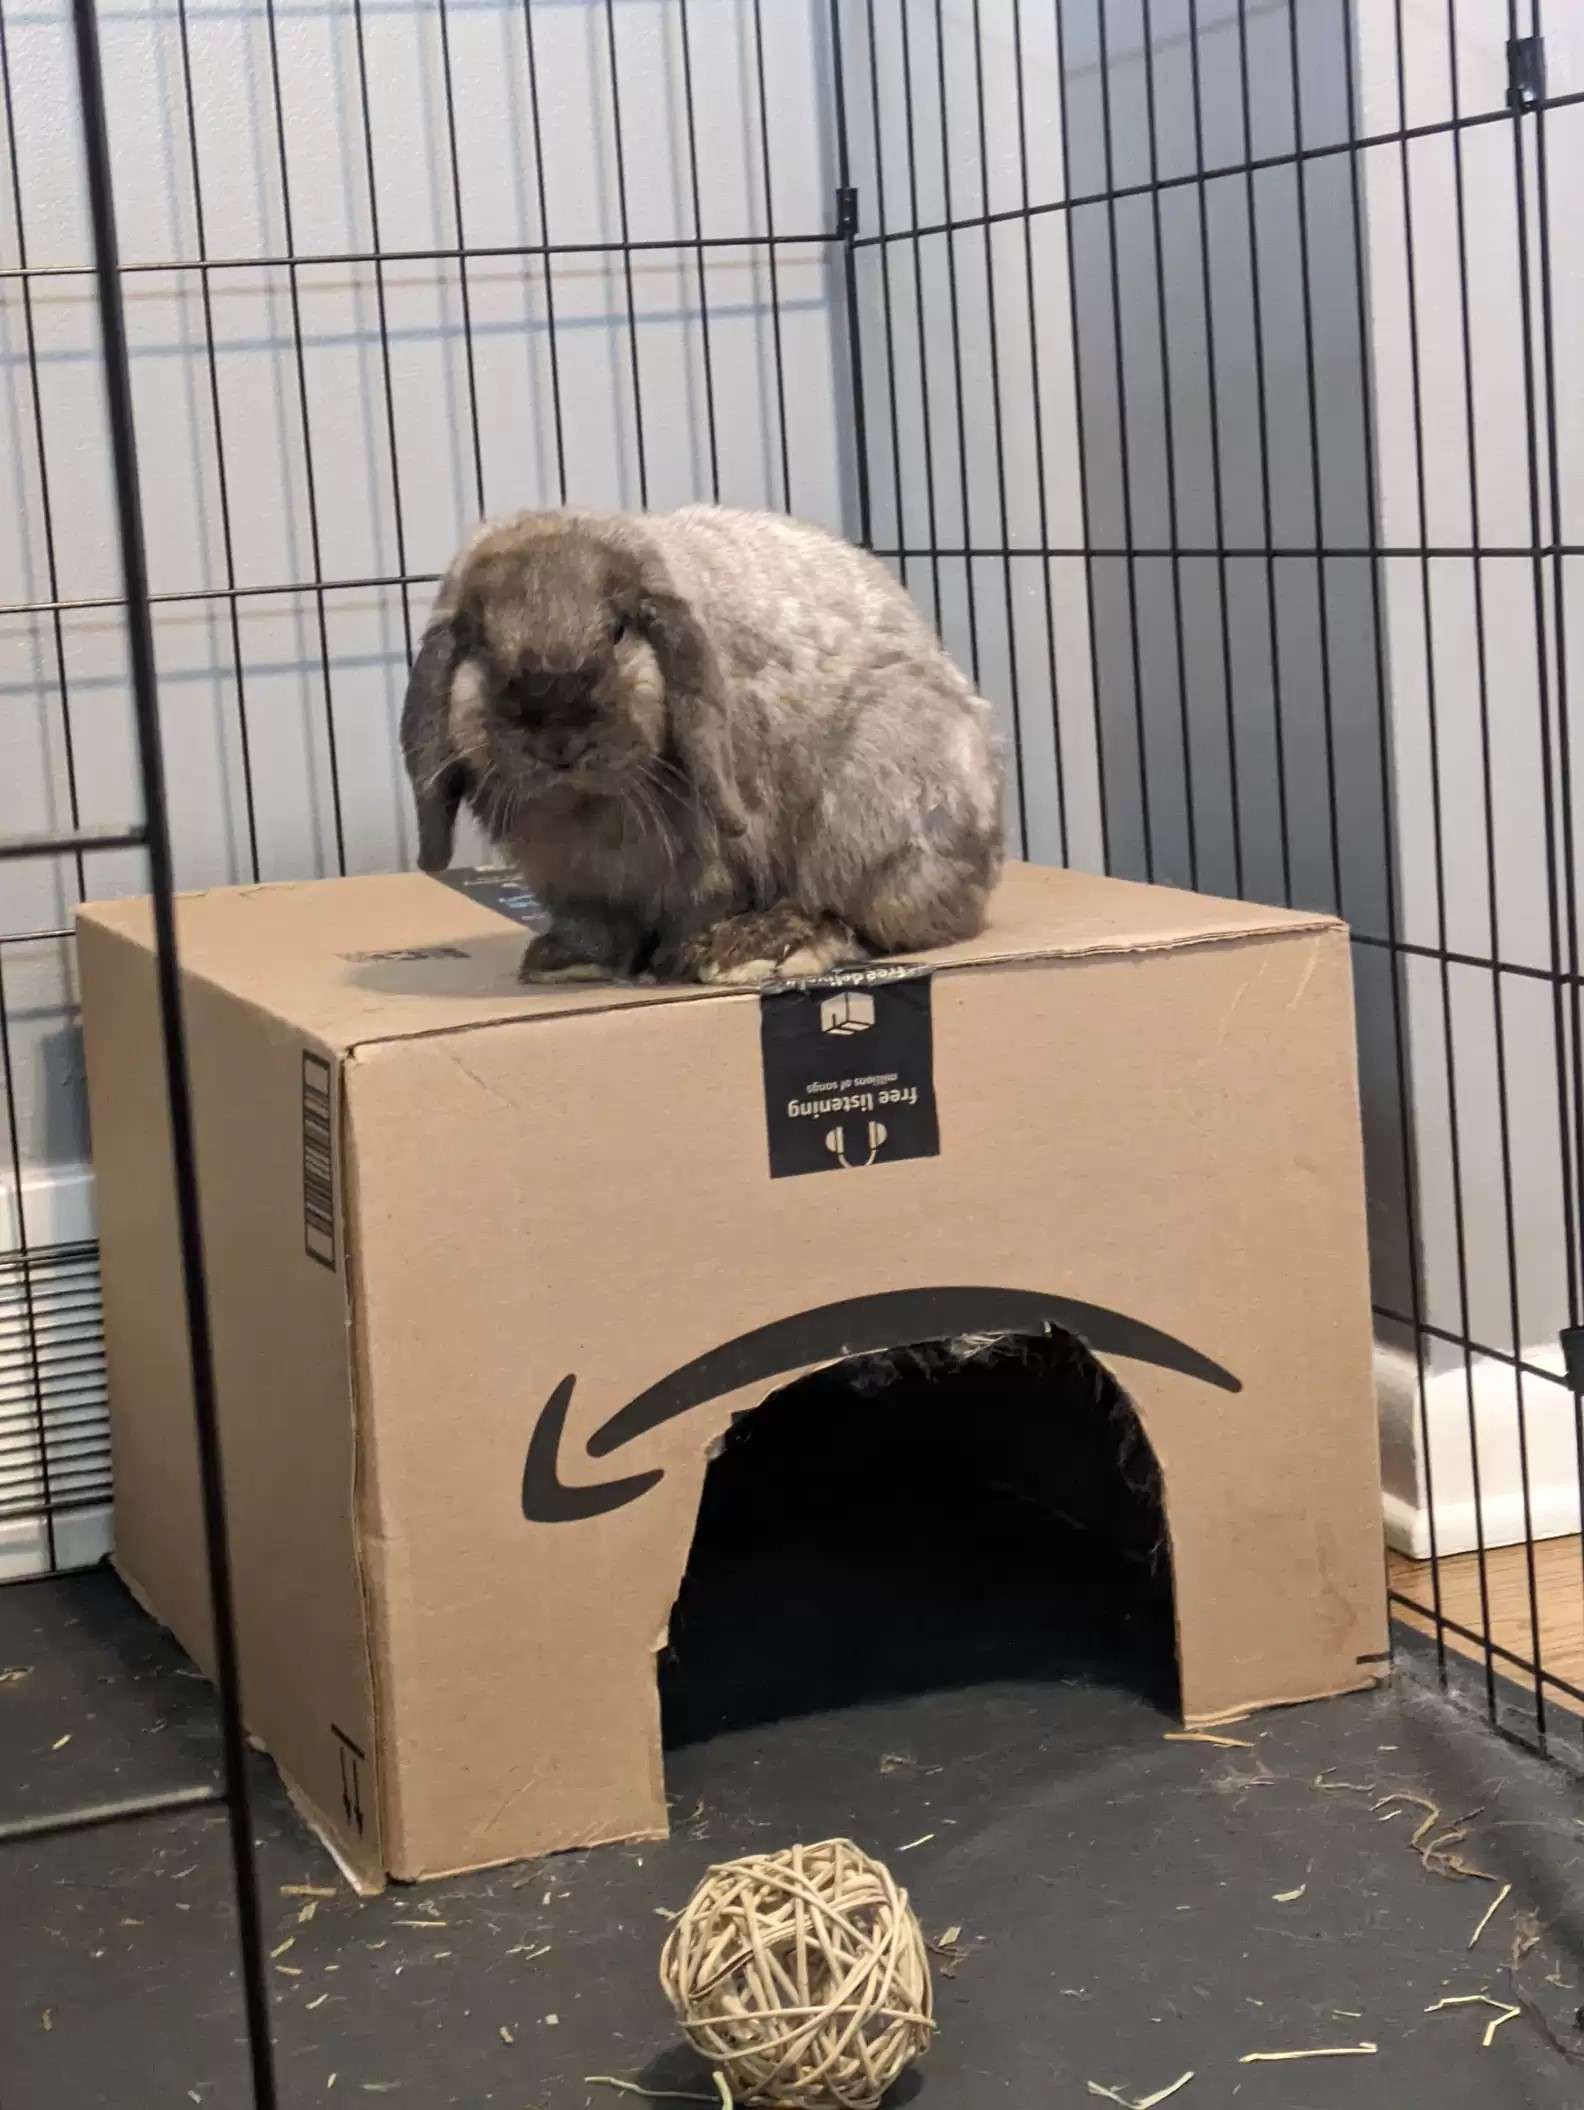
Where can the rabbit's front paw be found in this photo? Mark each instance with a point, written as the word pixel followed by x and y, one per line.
pixel 553 958
pixel 769 944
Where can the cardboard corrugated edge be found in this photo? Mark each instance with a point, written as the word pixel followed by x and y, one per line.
pixel 355 1403
pixel 365 1538
pixel 364 1884
pixel 1367 1681
pixel 596 1838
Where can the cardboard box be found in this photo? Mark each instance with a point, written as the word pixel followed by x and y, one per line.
pixel 491 1267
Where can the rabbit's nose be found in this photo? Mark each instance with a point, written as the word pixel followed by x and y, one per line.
pixel 563 746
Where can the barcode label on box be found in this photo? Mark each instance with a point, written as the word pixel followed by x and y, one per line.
pixel 318 1157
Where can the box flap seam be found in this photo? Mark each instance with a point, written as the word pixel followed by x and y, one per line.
pixel 624 997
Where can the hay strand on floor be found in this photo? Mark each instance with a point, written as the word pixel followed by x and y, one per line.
pixel 1490 1912
pixel 1144 2102
pixel 1505 2011
pixel 722 2095
pixel 1323 2051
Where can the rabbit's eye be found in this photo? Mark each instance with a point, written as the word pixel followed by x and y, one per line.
pixel 618 629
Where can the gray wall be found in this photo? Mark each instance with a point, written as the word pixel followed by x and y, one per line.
pixel 1244 756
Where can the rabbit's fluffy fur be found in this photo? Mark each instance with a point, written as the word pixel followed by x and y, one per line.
pixel 716 745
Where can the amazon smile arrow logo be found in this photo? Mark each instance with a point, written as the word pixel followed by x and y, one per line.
pixel 828 1333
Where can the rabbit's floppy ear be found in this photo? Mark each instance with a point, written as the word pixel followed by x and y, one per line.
pixel 439 778
pixel 697 704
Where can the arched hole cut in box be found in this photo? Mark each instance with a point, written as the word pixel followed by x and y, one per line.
pixel 930 1520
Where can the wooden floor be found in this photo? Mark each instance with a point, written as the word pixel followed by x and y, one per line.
pixel 1559 1591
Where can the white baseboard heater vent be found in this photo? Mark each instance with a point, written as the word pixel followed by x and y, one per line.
pixel 54 1414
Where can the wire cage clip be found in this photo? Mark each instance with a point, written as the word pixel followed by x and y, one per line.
pixel 1525 72
pixel 847 212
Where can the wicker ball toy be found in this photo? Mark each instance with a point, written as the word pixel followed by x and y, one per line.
pixel 802 1977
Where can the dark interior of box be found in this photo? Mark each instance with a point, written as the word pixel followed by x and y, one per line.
pixel 951 1515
